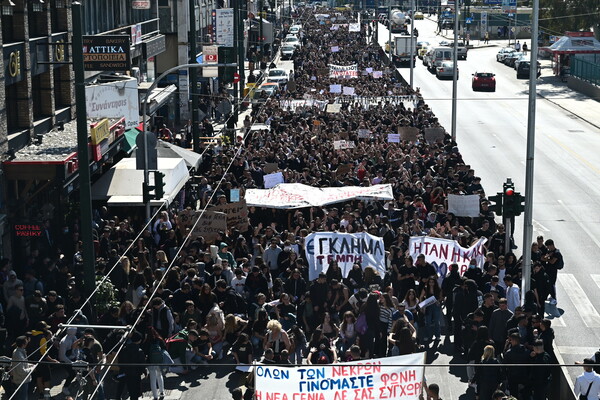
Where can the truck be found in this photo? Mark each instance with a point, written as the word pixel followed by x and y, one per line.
pixel 461 51
pixel 402 50
pixel 398 22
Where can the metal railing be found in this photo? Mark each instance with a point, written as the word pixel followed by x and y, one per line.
pixel 586 71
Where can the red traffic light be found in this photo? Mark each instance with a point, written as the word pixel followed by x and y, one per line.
pixel 509 192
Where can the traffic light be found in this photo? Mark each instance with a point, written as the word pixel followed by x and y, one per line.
pixel 226 56
pixel 496 203
pixel 159 185
pixel 147 192
pixel 514 204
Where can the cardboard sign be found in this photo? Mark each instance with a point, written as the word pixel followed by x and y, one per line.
pixel 209 226
pixel 269 168
pixel 432 135
pixel 408 133
pixel 335 88
pixel 464 205
pixel 334 108
pixel 348 91
pixel 237 214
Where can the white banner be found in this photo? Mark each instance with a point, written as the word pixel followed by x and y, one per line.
pixel 343 71
pixel 297 195
pixel 355 27
pixel 114 100
pixel 343 144
pixel 464 206
pixel 442 252
pixel 399 378
pixel 348 91
pixel 346 249
pixel 224 26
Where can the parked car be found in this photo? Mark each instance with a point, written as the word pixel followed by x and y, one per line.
pixel 524 68
pixel 483 81
pixel 510 59
pixel 505 51
pixel 420 45
pixel 446 70
pixel 287 52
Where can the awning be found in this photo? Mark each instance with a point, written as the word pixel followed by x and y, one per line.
pixel 576 43
pixel 129 142
pixel 158 97
pixel 169 150
pixel 122 184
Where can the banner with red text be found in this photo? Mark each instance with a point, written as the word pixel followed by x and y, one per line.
pixel 442 252
pixel 297 195
pixel 346 249
pixel 398 378
pixel 343 71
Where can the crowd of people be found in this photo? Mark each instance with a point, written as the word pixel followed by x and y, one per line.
pixel 246 295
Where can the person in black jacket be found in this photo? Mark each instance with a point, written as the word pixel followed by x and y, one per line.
pixel 539 376
pixel 466 301
pixel 228 299
pixel 295 286
pixel 516 353
pixel 448 285
pixel 487 377
pixel 133 354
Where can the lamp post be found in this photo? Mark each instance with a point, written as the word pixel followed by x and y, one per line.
pixel 455 74
pixel 194 77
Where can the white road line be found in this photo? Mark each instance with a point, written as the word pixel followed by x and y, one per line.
pixel 596 278
pixel 582 304
pixel 582 226
pixel 557 321
pixel 589 351
pixel 539 227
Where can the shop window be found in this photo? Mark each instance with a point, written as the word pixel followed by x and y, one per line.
pixel 12 114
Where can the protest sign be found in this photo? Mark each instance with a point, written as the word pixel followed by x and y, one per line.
pixel 408 133
pixel 393 138
pixel 297 195
pixel 364 133
pixel 269 168
pixel 369 70
pixel 237 214
pixel 432 135
pixel 273 179
pixel 442 252
pixel 399 378
pixel 335 88
pixel 335 49
pixel 234 195
pixel 343 71
pixel 334 108
pixel 348 91
pixel 464 206
pixel 377 74
pixel 343 144
pixel 346 249
pixel 211 223
pixel 354 27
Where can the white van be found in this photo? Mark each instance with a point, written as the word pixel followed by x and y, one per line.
pixel 436 56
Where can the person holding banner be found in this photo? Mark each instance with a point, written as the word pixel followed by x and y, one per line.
pixel 433 312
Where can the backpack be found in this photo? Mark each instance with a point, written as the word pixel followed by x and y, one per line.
pixel 597 360
pixel 177 338
pixel 240 304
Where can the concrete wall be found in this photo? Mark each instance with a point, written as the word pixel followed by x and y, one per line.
pixel 584 87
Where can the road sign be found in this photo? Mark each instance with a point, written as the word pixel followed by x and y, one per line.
pixel 236 77
pixel 509 6
pixel 468 20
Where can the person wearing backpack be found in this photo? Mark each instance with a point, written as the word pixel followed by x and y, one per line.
pixel 155 348
pixel 133 354
pixel 587 385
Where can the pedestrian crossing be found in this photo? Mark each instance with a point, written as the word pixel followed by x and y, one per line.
pixel 580 300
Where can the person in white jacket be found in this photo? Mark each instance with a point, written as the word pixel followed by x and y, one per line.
pixel 20 369
pixel 588 383
pixel 68 351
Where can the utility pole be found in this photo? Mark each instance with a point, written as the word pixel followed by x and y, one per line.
pixel 455 75
pixel 412 42
pixel 260 27
pixel 390 34
pixel 241 57
pixel 529 159
pixel 194 78
pixel 238 51
pixel 85 191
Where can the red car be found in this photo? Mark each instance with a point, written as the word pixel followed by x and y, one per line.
pixel 484 81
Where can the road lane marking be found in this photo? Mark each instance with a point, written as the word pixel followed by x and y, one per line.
pixel 588 351
pixel 539 227
pixel 582 303
pixel 576 155
pixel 582 226
pixel 596 278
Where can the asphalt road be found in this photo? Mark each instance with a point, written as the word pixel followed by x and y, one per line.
pixel 491 135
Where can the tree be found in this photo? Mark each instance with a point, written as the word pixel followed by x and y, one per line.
pixel 559 16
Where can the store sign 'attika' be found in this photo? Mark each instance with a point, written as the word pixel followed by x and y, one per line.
pixel 106 53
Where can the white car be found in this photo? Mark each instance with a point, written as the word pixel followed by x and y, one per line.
pixel 277 75
pixel 446 70
pixel 287 52
pixel 291 40
pixel 294 30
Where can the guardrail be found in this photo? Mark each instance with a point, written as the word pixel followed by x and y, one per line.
pixel 585 70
